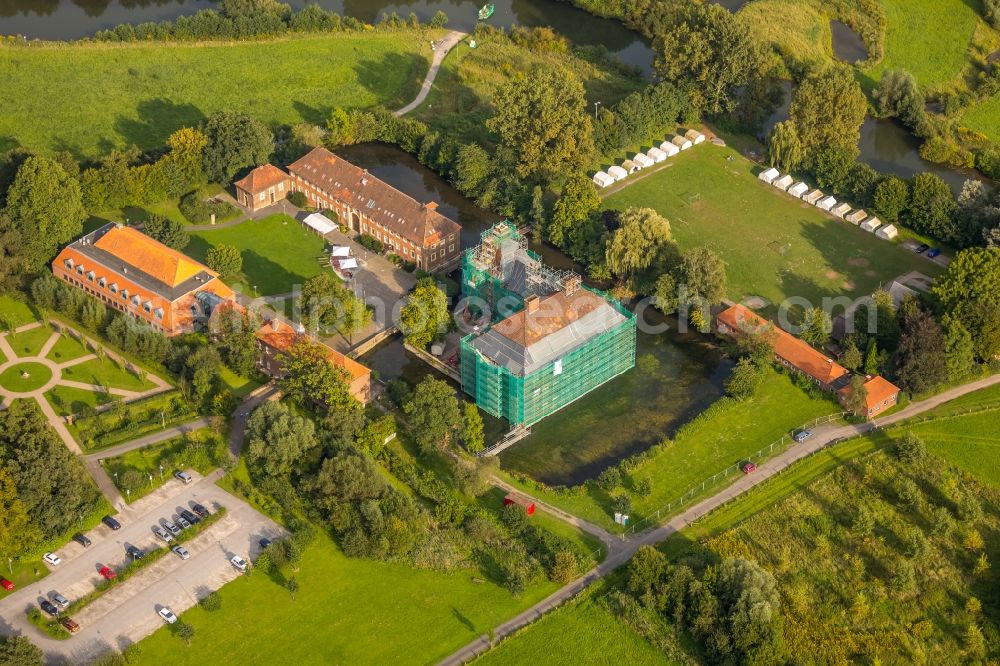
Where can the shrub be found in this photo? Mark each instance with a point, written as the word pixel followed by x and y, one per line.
pixel 198 209
pixel 298 199
pixel 370 243
pixel 212 602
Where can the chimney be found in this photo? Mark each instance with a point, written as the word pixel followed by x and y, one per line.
pixel 275 324
pixel 431 205
pixel 531 304
pixel 364 177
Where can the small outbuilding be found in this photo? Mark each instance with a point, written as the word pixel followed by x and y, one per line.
pixel 857 217
pixel 630 167
pixel 694 136
pixel 871 224
pixel 798 189
pixel 602 179
pixel 656 154
pixel 642 160
pixel 840 210
pixel 783 183
pixel 520 500
pixel 669 148
pixel 769 175
pixel 617 173
pixel 681 142
pixel 888 232
pixel 813 197
pixel 827 203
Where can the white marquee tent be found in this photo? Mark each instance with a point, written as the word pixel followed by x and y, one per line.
pixel 769 175
pixel 602 179
pixel 669 148
pixel 643 160
pixel 798 189
pixel 617 173
pixel 783 183
pixel 656 154
pixel 826 204
pixel 321 224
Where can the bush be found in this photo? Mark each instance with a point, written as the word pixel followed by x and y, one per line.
pixel 370 243
pixel 212 602
pixel 199 210
pixel 298 199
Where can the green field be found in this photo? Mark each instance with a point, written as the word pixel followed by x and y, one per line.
pixel 278 253
pixel 157 463
pixel 774 245
pixel 30 342
pixel 116 95
pixel 802 33
pixel 66 400
pixel 107 373
pixel 984 118
pixel 19 312
pixel 14 377
pixel 67 348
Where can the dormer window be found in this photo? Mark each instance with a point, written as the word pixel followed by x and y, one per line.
pixel 158 313
pixel 91 275
pixel 147 306
pixel 69 264
pixel 124 294
pixel 114 287
pixel 102 282
pixel 135 300
pixel 79 269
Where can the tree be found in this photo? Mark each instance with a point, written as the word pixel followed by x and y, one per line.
pixel 133 480
pixel 224 259
pixel 542 121
pixel 187 152
pixel 472 428
pixel 921 361
pixel 44 209
pixel 472 169
pixel 375 434
pixel 744 379
pixel 969 291
pixel 642 242
pixel 292 585
pixel 850 357
pixel 19 651
pixel 328 305
pixel 911 450
pixel 17 533
pixel 212 602
pixel 749 599
pixel 234 332
pixel 665 296
pixel 234 141
pixel 309 376
pixel 856 396
pixel 958 347
pixel 169 232
pixel 898 96
pixel 828 110
pixel 784 147
pixel 709 52
pixel 433 414
pixel 932 206
pixel 425 316
pixel 891 198
pixel 578 200
pixel 816 327
pixel 703 274
pixel 185 632
pixel 564 568
pixel 277 439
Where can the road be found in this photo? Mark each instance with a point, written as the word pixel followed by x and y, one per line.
pixel 127 613
pixel 821 438
pixel 440 51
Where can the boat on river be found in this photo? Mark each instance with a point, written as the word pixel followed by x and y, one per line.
pixel 486 11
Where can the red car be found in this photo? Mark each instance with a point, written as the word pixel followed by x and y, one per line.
pixel 748 467
pixel 6 584
pixel 107 572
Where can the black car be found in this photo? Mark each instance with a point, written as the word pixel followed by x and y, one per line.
pixel 264 543
pixel 111 522
pixel 923 247
pixel 134 552
pixel 81 539
pixel 190 517
pixel 199 509
pixel 49 607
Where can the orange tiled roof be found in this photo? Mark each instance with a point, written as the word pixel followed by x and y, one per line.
pixel 154 258
pixel 786 346
pixel 555 312
pixel 261 178
pixel 282 336
pixel 879 389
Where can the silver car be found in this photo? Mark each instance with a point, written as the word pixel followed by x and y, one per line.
pixel 163 534
pixel 181 552
pixel 59 600
pixel 183 523
pixel 171 527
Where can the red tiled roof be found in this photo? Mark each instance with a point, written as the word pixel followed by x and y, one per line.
pixel 554 313
pixel 791 349
pixel 135 248
pixel 261 178
pixel 281 336
pixel 879 389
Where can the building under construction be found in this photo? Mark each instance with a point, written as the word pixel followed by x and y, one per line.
pixel 549 339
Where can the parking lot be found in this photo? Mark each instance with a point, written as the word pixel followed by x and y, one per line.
pixel 128 611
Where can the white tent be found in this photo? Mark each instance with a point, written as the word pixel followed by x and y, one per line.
pixel 813 197
pixel 857 217
pixel 840 210
pixel 656 154
pixel 642 160
pixel 617 173
pixel 871 224
pixel 681 142
pixel 602 179
pixel 321 224
pixel 340 251
pixel 826 204
pixel 669 148
pixel 344 264
pixel 798 189
pixel 784 182
pixel 630 166
pixel 695 136
pixel 769 175
pixel 888 232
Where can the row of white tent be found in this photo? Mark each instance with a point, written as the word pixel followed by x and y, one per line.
pixel 654 155
pixel 340 257
pixel 817 198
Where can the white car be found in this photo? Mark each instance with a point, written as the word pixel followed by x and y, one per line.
pixel 167 615
pixel 239 563
pixel 52 558
pixel 181 552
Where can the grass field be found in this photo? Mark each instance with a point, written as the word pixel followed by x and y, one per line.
pixel 20 313
pixel 30 342
pixel 984 118
pixel 172 455
pixel 107 373
pixel 137 94
pixel 13 378
pixel 66 400
pixel 774 245
pixel 66 348
pixel 278 253
pixel 802 33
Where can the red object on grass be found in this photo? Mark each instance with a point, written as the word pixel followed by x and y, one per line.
pixel 511 498
pixel 6 584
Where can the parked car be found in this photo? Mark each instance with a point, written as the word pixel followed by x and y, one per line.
pixel 264 543
pixel 108 573
pixel 200 510
pixel 190 517
pixel 167 615
pixel 748 467
pixel 923 247
pixel 239 563
pixel 134 552
pixel 171 527
pixel 111 522
pixel 49 607
pixel 70 625
pixel 934 252
pixel 52 558
pixel 184 476
pixel 182 522
pixel 163 534
pixel 59 600
pixel 802 435
pixel 82 539
pixel 6 584
pixel 181 552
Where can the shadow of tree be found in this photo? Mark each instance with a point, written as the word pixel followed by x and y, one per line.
pixel 370 72
pixel 157 119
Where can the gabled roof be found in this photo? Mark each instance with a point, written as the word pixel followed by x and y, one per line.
pixel 280 335
pixel 261 178
pixel 152 257
pixel 879 389
pixel 417 222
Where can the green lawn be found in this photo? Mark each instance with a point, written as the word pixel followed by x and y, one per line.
pixel 173 454
pixel 984 118
pixel 774 245
pixel 802 33
pixel 107 373
pixel 29 343
pixel 116 95
pixel 347 611
pixel 140 417
pixel 929 38
pixel 66 349
pixel 20 313
pixel 580 633
pixel 66 400
pixel 237 385
pixel 278 253
pixel 12 378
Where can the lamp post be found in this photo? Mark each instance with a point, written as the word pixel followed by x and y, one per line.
pixel 255 291
pixel 596 104
pixel 161 471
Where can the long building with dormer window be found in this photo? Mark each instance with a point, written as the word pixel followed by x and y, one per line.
pixel 135 274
